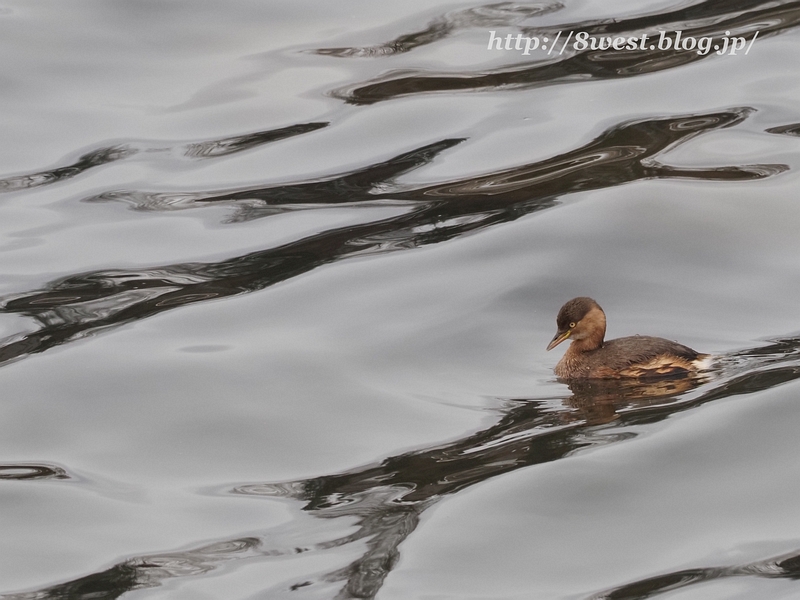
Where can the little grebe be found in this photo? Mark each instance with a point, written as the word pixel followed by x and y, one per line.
pixel 589 357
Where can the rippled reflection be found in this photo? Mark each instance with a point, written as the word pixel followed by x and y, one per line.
pixel 385 500
pixel 109 154
pixel 502 14
pixel 240 143
pixel 785 566
pixel 625 153
pixel 355 187
pixel 793 129
pixel 72 307
pixel 712 19
pixel 28 471
pixel 75 306
pixel 144 572
pixel 87 161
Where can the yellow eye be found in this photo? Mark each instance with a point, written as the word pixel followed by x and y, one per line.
pixel 571 325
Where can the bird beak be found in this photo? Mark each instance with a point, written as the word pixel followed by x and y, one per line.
pixel 559 337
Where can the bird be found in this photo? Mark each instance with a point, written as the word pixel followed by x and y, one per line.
pixel 589 356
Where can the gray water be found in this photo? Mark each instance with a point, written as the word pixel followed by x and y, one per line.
pixel 276 280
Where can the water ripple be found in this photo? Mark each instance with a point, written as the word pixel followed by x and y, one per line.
pixel 28 471
pixel 385 500
pixel 194 150
pixel 781 567
pixel 502 14
pixel 78 305
pixel 712 19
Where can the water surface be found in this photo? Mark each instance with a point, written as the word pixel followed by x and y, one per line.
pixel 277 281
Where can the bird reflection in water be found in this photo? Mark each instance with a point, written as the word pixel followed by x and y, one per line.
pixel 598 401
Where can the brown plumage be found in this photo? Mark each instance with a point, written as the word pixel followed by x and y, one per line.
pixel 590 357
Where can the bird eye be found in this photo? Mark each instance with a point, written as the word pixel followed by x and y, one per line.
pixel 571 325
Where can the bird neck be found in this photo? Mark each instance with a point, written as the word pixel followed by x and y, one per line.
pixel 593 332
